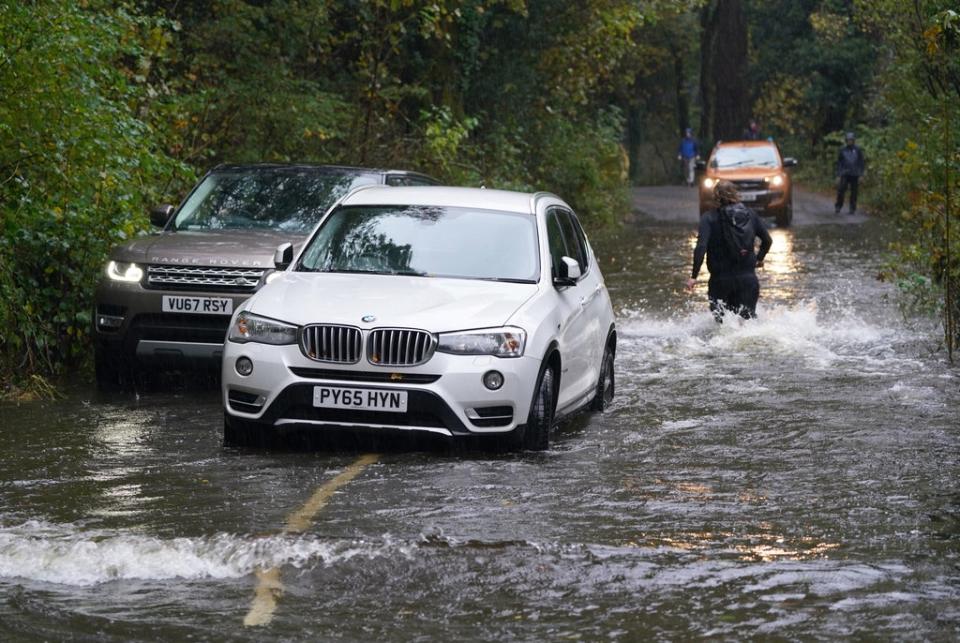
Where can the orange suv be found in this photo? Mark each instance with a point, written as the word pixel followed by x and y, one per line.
pixel 758 171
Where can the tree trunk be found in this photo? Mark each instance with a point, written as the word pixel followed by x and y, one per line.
pixel 680 87
pixel 723 66
pixel 634 138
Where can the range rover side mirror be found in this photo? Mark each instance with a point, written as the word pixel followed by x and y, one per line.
pixel 569 271
pixel 161 214
pixel 283 256
pixel 701 165
pixel 789 161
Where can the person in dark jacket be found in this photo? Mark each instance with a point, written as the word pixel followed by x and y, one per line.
pixel 752 133
pixel 727 237
pixel 851 165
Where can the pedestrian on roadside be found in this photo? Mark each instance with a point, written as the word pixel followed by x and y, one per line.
pixel 689 153
pixel 851 165
pixel 752 133
pixel 727 237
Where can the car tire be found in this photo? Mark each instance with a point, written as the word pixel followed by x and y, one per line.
pixel 606 383
pixel 112 370
pixel 240 433
pixel 536 436
pixel 784 216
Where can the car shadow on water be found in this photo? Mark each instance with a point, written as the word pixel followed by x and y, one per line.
pixel 358 441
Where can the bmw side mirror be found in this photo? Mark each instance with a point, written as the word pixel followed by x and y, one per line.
pixel 789 162
pixel 160 215
pixel 283 256
pixel 569 271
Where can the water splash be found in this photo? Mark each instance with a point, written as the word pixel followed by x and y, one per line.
pixel 798 331
pixel 65 555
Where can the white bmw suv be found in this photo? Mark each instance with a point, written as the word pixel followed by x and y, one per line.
pixel 457 311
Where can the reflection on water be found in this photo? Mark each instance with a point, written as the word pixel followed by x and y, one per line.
pixel 747 547
pixel 781 267
pixel 121 438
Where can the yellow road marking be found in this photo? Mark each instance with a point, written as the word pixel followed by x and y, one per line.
pixel 269 585
pixel 300 520
pixel 268 590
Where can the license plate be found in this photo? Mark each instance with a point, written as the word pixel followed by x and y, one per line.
pixel 749 196
pixel 198 305
pixel 362 399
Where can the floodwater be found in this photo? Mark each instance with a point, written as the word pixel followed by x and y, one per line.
pixel 790 477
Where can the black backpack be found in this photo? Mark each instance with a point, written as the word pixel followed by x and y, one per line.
pixel 736 228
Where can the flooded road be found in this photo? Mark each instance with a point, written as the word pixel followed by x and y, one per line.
pixel 794 477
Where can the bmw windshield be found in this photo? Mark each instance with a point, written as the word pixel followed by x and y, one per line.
pixel 290 200
pixel 426 241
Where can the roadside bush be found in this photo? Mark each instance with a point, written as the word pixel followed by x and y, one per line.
pixel 585 164
pixel 917 161
pixel 78 163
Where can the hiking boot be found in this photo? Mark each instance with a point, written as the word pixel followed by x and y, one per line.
pixel 836 209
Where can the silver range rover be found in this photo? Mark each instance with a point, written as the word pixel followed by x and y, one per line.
pixel 165 299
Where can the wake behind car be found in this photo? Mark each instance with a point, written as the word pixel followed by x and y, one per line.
pixel 453 311
pixel 166 298
pixel 758 171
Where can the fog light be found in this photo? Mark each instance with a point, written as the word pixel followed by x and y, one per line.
pixel 244 366
pixel 109 322
pixel 493 380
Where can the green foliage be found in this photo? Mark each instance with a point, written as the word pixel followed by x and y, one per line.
pixel 78 165
pixel 812 66
pixel 917 160
pixel 585 163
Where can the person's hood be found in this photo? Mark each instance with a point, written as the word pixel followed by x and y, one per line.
pixel 737 213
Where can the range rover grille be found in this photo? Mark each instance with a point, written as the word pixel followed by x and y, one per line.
pixel 203 277
pixel 400 347
pixel 329 343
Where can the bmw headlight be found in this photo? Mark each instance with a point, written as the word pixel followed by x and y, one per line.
pixel 247 327
pixel 124 271
pixel 499 342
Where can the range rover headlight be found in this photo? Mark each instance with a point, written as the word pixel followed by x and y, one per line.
pixel 124 271
pixel 247 327
pixel 499 342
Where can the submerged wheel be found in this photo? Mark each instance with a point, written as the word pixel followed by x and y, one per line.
pixel 606 383
pixel 240 433
pixel 536 437
pixel 112 370
pixel 784 217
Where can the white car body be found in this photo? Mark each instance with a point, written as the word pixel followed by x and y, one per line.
pixel 567 327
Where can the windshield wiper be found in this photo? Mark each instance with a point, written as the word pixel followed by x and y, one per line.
pixel 507 280
pixel 741 164
pixel 357 271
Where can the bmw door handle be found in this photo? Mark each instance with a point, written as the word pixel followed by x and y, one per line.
pixel 590 297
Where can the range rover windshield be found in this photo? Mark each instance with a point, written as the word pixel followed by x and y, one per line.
pixel 748 156
pixel 290 200
pixel 426 241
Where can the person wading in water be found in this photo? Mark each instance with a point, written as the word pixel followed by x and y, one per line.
pixel 727 237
